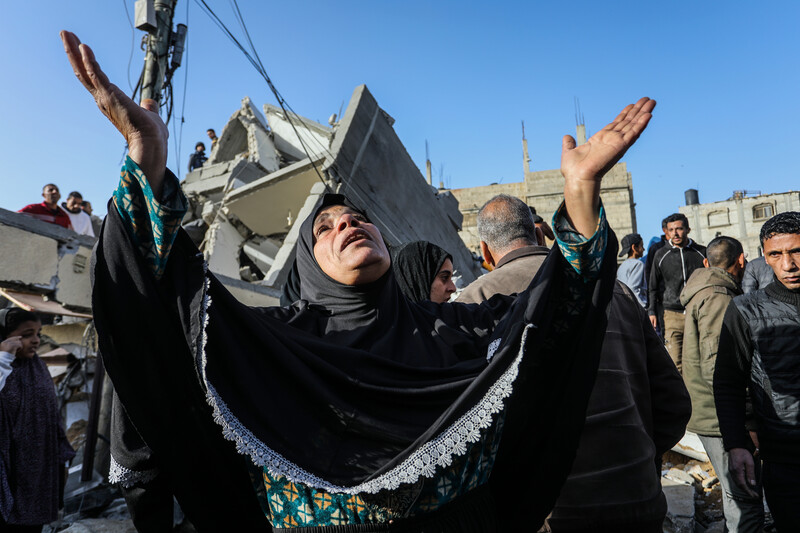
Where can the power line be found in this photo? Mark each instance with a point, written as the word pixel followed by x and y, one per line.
pixel 255 60
pixel 133 40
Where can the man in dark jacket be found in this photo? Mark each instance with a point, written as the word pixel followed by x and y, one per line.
pixel 198 157
pixel 638 408
pixel 759 351
pixel 706 297
pixel 757 275
pixel 672 266
pixel 653 248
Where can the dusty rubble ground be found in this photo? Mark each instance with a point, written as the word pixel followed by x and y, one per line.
pixel 700 475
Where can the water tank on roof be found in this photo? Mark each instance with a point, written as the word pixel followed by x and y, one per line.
pixel 692 197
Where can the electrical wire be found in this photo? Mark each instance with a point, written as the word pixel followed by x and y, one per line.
pixel 290 114
pixel 133 40
pixel 185 85
pixel 259 66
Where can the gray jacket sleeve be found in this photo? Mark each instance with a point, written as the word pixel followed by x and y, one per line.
pixel 5 367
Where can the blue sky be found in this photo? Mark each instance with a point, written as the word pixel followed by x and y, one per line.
pixel 460 74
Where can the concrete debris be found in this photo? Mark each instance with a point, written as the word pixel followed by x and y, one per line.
pixel 680 506
pixel 679 476
pixel 690 446
pixel 697 472
pixel 267 171
pixel 710 482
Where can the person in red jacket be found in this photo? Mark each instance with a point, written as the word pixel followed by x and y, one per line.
pixel 49 211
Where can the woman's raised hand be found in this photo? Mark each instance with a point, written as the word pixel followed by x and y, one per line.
pixel 142 127
pixel 584 166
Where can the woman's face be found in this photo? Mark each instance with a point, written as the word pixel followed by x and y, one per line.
pixel 347 247
pixel 443 286
pixel 29 336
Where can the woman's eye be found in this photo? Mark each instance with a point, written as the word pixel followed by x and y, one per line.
pixel 321 230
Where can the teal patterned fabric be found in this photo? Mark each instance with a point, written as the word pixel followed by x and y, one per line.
pixel 585 255
pixel 288 505
pixel 153 225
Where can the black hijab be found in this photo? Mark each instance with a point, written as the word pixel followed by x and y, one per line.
pixel 415 266
pixel 351 389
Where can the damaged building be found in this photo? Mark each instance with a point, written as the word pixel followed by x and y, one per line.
pixel 268 169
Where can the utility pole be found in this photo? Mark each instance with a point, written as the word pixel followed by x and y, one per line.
pixel 158 44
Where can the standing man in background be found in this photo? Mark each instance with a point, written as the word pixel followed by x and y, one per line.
pixel 706 297
pixel 759 352
pixel 49 211
pixel 672 266
pixel 631 271
pixel 638 407
pixel 757 275
pixel 81 221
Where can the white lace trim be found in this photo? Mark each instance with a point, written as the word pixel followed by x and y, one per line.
pixel 422 462
pixel 126 477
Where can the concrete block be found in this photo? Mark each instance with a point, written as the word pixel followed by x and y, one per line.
pixel 270 205
pixel 277 274
pixel 223 242
pixel 28 259
pixel 680 507
pixel 691 446
pixel 250 293
pixel 315 136
pixel 373 169
pixel 710 482
pixel 73 288
pixel 679 476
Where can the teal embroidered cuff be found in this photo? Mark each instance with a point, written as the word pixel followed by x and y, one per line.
pixel 153 225
pixel 585 255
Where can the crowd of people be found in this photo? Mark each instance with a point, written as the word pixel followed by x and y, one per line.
pixel 379 398
pixel 75 213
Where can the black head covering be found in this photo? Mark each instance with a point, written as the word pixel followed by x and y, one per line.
pixel 415 266
pixel 345 389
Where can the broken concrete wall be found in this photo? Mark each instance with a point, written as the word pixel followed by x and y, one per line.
pixel 252 226
pixel 374 170
pixel 211 181
pixel 315 137
pixel 247 133
pixel 45 259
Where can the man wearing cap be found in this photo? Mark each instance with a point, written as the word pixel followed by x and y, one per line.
pixel 631 271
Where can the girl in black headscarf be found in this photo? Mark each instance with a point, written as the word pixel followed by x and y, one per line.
pixel 423 271
pixel 33 446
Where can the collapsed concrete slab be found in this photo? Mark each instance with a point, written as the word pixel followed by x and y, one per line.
pixel 370 165
pixel 251 225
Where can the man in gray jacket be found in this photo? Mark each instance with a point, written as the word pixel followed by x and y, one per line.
pixel 638 407
pixel 706 297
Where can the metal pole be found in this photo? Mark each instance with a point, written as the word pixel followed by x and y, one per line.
pixel 158 51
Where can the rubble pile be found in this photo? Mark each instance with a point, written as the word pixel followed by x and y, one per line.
pixel 694 495
pixel 267 170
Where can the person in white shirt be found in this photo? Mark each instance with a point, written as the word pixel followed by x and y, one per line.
pixel 81 221
pixel 631 271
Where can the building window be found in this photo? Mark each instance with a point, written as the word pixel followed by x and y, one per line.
pixel 763 211
pixel 718 218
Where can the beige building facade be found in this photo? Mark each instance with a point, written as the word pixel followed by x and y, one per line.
pixel 740 217
pixel 544 190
